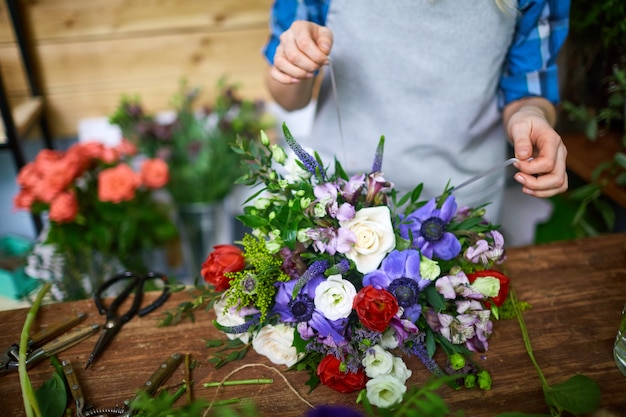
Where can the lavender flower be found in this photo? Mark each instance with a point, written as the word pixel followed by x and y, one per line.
pixel 427 225
pixel 333 411
pixel 378 158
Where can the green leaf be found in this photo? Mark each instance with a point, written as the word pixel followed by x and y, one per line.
pixel 578 395
pixel 51 396
pixel 252 221
pixel 620 158
pixel 434 298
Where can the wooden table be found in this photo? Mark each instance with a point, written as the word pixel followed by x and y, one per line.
pixel 576 289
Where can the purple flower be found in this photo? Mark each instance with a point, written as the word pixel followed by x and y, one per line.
pixel 485 252
pixel 377 186
pixel 399 273
pixel 427 227
pixel 333 411
pixel 301 309
pixel 310 163
pixel 331 241
pixel 327 195
pixel 351 189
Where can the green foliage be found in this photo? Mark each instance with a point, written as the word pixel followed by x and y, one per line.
pixel 196 144
pixel 52 396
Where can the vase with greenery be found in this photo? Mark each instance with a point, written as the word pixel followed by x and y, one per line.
pixel 195 141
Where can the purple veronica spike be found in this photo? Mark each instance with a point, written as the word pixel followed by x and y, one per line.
pixel 242 328
pixel 317 268
pixel 378 158
pixel 307 160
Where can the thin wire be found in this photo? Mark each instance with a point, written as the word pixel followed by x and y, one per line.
pixel 333 84
pixel 491 170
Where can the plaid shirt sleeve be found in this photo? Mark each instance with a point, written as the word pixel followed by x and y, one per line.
pixel 530 67
pixel 285 12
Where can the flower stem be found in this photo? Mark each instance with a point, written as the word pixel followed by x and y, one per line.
pixel 522 325
pixel 240 382
pixel 30 401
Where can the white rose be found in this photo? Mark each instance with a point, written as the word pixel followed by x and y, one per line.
pixel 399 370
pixel 276 344
pixel 377 361
pixel 374 237
pixel 334 297
pixel 230 317
pixel 384 391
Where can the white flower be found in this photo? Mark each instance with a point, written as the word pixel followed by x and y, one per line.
pixel 334 297
pixel 295 173
pixel 389 340
pixel 399 370
pixel 374 237
pixel 276 344
pixel 384 391
pixel 487 286
pixel 278 154
pixel 230 317
pixel 377 361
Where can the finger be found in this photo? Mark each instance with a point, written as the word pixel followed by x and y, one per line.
pixel 549 183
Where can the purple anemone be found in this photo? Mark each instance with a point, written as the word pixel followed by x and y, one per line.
pixel 301 309
pixel 399 273
pixel 427 227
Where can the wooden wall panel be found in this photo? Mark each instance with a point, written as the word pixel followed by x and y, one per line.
pixel 75 19
pixel 92 52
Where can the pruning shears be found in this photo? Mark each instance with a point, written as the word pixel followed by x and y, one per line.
pixel 47 342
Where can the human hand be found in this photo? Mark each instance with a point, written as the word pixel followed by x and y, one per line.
pixel 532 135
pixel 303 49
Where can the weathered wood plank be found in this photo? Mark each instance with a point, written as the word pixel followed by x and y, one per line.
pixel 576 290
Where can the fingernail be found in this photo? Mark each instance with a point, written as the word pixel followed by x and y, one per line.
pixel 519 178
pixel 523 154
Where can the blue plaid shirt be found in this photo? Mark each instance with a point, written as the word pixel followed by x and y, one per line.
pixel 530 68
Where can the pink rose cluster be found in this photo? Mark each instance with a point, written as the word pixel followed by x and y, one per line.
pixel 53 178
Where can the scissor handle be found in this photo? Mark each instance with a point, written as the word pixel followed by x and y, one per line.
pixel 137 282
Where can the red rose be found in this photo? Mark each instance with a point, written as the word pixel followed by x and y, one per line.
pixel 504 284
pixel 332 376
pixel 225 258
pixel 375 308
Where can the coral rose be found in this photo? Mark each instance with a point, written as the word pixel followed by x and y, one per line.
pixel 154 173
pixel 375 307
pixel 117 184
pixel 23 200
pixel 225 258
pixel 64 207
pixel 330 374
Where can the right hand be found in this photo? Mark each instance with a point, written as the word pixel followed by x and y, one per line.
pixel 303 49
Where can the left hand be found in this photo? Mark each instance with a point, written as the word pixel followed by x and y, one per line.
pixel 528 123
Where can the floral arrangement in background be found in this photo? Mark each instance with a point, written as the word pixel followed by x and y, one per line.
pixel 195 142
pixel 343 278
pixel 102 210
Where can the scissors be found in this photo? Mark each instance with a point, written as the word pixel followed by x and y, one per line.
pixel 85 409
pixel 115 320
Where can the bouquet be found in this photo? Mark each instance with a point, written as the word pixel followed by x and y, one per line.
pixel 342 277
pixel 195 144
pixel 102 210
